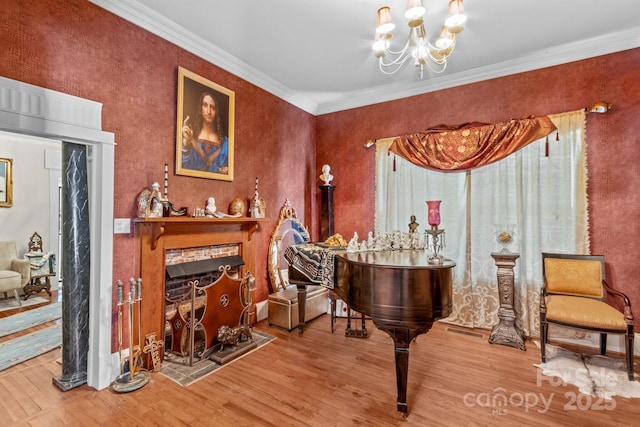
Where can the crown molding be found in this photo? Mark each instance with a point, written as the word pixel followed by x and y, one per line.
pixel 562 54
pixel 164 28
pixel 157 24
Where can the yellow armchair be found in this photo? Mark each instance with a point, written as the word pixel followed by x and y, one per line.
pixel 575 294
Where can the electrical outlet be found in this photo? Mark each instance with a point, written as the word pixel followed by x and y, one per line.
pixel 121 226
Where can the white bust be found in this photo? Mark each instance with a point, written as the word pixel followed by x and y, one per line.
pixel 326 175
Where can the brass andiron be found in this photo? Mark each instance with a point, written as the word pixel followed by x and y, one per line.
pixel 135 377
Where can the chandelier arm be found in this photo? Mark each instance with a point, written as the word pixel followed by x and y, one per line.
pixel 436 70
pixel 395 64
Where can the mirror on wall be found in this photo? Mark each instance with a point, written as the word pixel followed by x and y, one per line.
pixel 289 231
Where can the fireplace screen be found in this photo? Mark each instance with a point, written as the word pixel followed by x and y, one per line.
pixel 200 297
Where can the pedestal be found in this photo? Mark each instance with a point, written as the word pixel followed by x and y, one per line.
pixel 326 212
pixel 506 332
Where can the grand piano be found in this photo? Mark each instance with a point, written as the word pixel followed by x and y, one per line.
pixel 399 290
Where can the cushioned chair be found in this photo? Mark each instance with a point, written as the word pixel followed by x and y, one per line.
pixel 576 294
pixel 14 272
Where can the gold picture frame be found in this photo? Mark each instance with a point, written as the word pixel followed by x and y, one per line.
pixel 204 128
pixel 6 183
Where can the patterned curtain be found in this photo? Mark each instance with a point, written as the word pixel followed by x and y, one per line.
pixel 540 190
pixel 470 145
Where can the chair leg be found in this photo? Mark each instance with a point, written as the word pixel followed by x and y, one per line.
pixel 543 339
pixel 603 344
pixel 629 350
pixel 15 293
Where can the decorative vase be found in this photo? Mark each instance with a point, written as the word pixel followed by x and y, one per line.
pixel 504 236
pixel 434 213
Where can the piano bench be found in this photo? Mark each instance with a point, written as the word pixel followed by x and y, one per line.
pixel 283 306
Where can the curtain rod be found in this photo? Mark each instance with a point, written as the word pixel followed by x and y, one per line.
pixel 599 107
pixel 371 142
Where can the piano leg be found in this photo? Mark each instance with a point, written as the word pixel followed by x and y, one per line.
pixel 402 338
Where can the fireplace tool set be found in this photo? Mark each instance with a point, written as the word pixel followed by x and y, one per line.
pixel 132 375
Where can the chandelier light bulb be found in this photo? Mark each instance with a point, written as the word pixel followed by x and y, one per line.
pixel 417 47
pixel 385 23
pixel 456 20
pixel 445 40
pixel 415 10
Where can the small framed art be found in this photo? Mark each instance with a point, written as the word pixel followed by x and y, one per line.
pixel 6 183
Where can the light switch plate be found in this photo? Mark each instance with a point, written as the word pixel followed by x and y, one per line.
pixel 121 226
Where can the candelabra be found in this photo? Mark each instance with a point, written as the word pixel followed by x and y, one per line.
pixel 434 238
pixel 135 377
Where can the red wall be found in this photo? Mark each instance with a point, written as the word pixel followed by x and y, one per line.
pixel 80 49
pixel 613 140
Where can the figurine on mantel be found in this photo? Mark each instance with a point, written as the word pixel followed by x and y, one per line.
pixel 326 175
pixel 257 206
pixel 210 209
pixel 150 202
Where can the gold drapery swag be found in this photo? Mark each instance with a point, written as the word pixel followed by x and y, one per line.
pixel 471 145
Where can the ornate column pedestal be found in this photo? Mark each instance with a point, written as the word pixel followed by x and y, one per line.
pixel 326 212
pixel 506 332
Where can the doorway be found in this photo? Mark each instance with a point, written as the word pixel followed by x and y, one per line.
pixel 34 111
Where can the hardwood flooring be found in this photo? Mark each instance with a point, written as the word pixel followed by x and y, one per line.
pixel 324 379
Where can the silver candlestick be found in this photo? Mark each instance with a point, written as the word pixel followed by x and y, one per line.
pixel 435 243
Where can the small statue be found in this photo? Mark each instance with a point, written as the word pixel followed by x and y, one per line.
pixel 156 202
pixel 257 206
pixel 353 245
pixel 413 225
pixel 326 175
pixel 211 209
pixel 228 335
pixel 370 241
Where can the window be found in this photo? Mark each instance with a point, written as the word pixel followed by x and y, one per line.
pixel 543 196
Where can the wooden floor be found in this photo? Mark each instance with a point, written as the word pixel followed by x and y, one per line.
pixel 324 379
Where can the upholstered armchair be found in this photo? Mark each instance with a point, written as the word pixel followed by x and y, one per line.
pixel 14 272
pixel 576 294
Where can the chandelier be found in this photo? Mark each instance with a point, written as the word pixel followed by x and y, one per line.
pixel 417 48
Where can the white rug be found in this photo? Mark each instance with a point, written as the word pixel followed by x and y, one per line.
pixel 10 303
pixel 599 376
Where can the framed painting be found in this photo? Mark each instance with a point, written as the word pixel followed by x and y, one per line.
pixel 204 128
pixel 6 183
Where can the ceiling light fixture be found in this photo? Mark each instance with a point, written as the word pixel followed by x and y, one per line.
pixel 418 48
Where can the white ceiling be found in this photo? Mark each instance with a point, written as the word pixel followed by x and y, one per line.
pixel 316 54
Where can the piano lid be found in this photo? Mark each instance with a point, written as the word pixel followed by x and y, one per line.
pixel 405 259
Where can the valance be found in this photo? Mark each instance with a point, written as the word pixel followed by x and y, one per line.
pixel 471 145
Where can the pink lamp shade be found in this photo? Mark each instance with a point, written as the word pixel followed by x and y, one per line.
pixel 434 213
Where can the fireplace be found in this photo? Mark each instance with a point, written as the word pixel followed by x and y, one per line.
pixel 158 239
pixel 197 297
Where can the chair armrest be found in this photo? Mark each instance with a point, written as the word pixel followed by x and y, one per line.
pixel 543 294
pixel 21 266
pixel 628 315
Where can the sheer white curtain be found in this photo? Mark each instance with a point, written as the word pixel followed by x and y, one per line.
pixel 543 196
